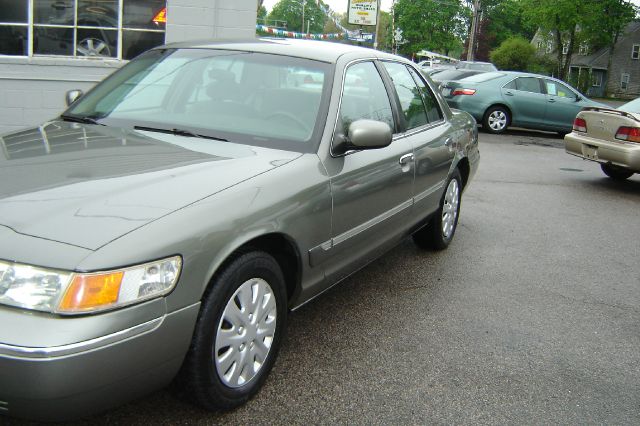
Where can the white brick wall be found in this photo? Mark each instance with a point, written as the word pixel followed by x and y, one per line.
pixel 32 89
pixel 206 19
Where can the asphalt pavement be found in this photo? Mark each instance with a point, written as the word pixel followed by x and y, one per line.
pixel 532 316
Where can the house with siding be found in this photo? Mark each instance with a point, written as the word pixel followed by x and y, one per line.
pixel 588 69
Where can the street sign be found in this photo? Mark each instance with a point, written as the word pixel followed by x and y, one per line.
pixel 363 12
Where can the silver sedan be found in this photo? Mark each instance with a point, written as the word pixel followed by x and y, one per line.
pixel 165 223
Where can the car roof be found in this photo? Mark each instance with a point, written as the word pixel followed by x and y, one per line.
pixel 475 62
pixel 324 51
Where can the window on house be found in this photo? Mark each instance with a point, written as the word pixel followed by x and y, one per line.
pixel 624 81
pixel 635 51
pixel 596 80
pixel 540 44
pixel 584 49
pixel 549 46
pixel 81 28
pixel 565 48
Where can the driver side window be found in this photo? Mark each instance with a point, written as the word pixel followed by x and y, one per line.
pixel 556 89
pixel 364 96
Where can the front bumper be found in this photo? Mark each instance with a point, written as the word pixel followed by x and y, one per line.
pixel 62 382
pixel 624 154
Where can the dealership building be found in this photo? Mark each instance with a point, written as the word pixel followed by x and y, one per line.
pixel 48 47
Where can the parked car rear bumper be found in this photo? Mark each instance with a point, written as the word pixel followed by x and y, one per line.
pixel 74 380
pixel 624 154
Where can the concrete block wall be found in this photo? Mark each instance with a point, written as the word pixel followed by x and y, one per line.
pixel 32 89
pixel 208 19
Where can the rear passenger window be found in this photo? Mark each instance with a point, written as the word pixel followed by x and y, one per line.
pixel 430 102
pixel 364 96
pixel 409 94
pixel 528 84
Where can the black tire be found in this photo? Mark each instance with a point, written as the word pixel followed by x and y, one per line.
pixel 616 172
pixel 496 120
pixel 433 236
pixel 199 379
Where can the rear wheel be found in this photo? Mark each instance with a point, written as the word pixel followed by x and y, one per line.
pixel 616 172
pixel 439 232
pixel 238 333
pixel 496 120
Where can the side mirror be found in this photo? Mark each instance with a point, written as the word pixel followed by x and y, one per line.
pixel 72 96
pixel 578 98
pixel 369 134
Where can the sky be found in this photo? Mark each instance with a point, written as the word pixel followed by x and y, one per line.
pixel 341 5
pixel 336 5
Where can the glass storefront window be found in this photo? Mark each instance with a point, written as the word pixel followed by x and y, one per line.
pixel 143 14
pixel 14 11
pixel 14 29
pixel 81 28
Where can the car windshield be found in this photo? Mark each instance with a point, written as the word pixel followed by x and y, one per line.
pixel 244 97
pixel 633 106
pixel 480 78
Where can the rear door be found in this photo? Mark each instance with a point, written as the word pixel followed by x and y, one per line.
pixel 527 101
pixel 562 105
pixel 424 126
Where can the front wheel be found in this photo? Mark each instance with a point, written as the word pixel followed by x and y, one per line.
pixel 238 333
pixel 439 232
pixel 496 120
pixel 616 172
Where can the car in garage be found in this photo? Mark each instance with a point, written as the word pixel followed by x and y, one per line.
pixel 162 227
pixel 610 137
pixel 502 99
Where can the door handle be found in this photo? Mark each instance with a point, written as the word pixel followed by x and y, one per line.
pixel 509 93
pixel 552 100
pixel 406 159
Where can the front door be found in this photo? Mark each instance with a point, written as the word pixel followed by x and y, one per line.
pixel 527 101
pixel 562 105
pixel 371 189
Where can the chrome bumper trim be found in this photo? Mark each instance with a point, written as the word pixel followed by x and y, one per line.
pixel 11 351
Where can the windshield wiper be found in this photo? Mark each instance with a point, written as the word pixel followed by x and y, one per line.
pixel 82 119
pixel 179 132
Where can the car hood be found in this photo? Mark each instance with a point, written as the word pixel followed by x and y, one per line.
pixel 86 185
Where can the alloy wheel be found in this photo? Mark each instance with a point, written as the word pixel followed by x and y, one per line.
pixel 450 208
pixel 498 120
pixel 245 333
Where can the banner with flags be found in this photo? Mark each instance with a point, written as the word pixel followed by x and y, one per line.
pixel 291 34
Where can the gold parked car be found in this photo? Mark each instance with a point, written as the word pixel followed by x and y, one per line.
pixel 609 136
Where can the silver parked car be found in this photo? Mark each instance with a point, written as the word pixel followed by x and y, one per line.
pixel 165 223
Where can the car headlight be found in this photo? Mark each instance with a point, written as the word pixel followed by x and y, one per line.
pixel 65 292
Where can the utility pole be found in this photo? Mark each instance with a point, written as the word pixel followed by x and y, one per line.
pixel 393 27
pixel 303 4
pixel 474 29
pixel 375 41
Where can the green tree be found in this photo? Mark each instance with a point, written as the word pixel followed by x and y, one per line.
pixel 262 14
pixel 502 19
pixel 384 32
pixel 290 11
pixel 514 54
pixel 433 25
pixel 605 23
pixel 562 18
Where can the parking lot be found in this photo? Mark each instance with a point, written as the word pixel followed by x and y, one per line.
pixel 531 316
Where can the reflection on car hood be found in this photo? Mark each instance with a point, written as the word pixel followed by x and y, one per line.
pixel 87 185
